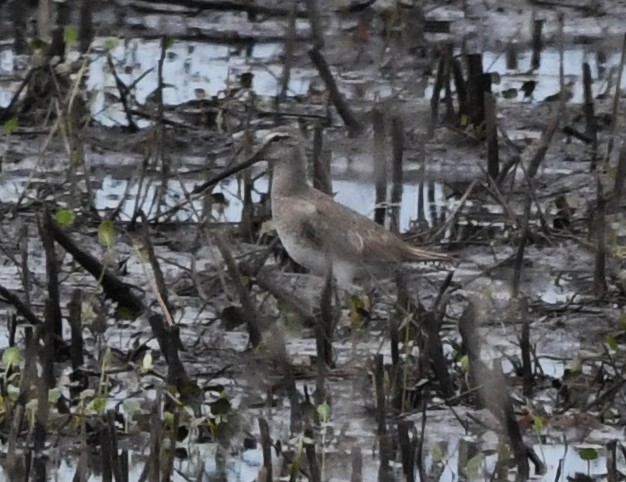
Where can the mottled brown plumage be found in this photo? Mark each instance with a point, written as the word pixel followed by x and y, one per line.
pixel 315 229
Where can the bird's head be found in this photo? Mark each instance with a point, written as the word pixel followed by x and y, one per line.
pixel 283 145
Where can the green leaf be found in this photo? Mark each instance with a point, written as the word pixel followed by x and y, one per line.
pixel 54 395
pixel 437 453
pixel 168 420
pixel 125 313
pixel 474 464
pixel 323 411
pixel 11 125
pixel 38 44
pixel 99 404
pixel 106 233
pixel 611 171
pixel 538 422
pixel 107 359
pixel 146 363
pixel 168 42
pixel 465 363
pixel 588 453
pixel 11 357
pixel 488 292
pixel 131 406
pixel 65 217
pixel 111 43
pixel 70 35
pixel 611 341
pixel 221 406
pixel 13 392
pixel 575 366
pixel 245 80
pixel 267 228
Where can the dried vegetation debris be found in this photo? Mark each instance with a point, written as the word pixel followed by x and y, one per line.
pixel 497 335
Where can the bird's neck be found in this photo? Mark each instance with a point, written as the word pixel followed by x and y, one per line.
pixel 290 175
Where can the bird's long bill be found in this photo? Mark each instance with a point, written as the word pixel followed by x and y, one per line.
pixel 253 159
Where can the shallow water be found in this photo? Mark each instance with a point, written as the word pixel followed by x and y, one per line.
pixel 195 70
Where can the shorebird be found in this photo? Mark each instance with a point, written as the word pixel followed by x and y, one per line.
pixel 316 230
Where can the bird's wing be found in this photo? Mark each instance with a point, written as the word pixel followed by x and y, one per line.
pixel 356 236
pixel 353 236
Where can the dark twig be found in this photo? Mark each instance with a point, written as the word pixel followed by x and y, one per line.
pixel 346 114
pixel 519 258
pixel 397 156
pixel 581 136
pixel 408 449
pixel 124 92
pixel 493 163
pixel 251 8
pixel 20 306
pixel 525 348
pixel 325 327
pixel 591 130
pixel 611 461
pixel 620 175
pixel 434 100
pixel 537 43
pixel 380 164
pixel 167 335
pixel 7 112
pixel 266 447
pixel 79 380
pixel 321 164
pixel 52 274
pixel 470 342
pixel 85 31
pixel 316 23
pixel 381 408
pixel 614 114
pixel 315 474
pixel 461 89
pixel 289 45
pixel 249 310
pixel 113 287
pixel 357 465
pixel 599 274
pixel 156 268
pixel 544 143
pixel 476 89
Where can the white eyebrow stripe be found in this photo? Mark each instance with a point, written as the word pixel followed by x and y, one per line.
pixel 276 135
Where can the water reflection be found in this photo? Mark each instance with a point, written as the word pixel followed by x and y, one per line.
pixel 195 70
pixel 359 196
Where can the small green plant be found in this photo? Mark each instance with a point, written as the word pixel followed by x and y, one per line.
pixel 65 217
pixel 70 35
pixel 588 454
pixel 474 465
pixel 299 441
pixel 324 412
pixel 106 237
